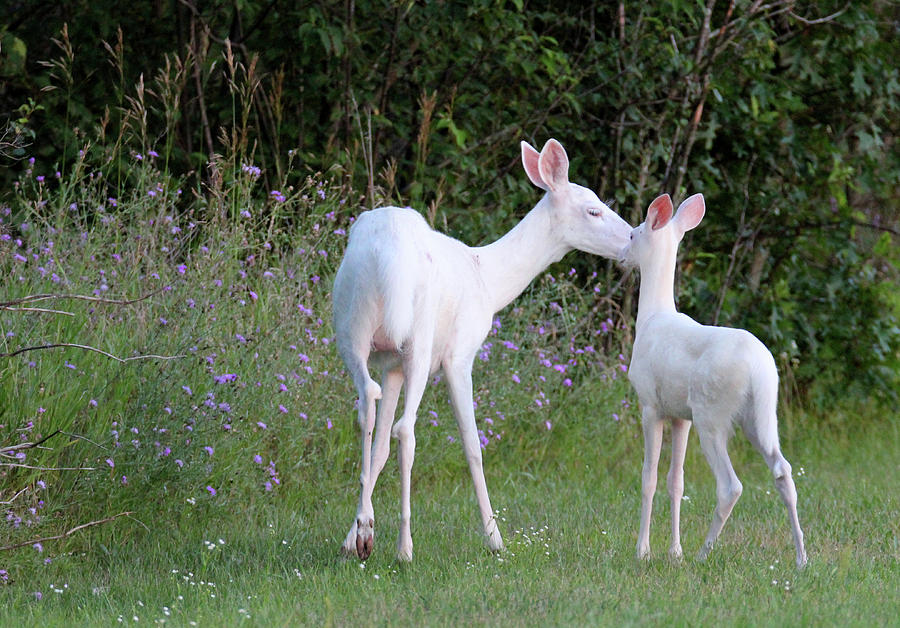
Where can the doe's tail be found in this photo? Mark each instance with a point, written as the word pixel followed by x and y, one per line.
pixel 397 279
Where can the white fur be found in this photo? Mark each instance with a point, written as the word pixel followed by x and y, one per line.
pixel 685 372
pixel 414 301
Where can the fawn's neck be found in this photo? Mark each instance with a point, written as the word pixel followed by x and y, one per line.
pixel 657 293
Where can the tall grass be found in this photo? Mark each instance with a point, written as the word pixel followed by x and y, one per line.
pixel 231 395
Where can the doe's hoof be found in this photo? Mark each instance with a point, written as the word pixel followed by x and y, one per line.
pixel 365 538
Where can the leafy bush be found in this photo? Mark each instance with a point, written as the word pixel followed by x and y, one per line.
pixel 783 114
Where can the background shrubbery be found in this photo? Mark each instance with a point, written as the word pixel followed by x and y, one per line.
pixel 784 114
pixel 213 158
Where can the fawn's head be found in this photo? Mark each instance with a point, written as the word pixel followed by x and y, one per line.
pixel 661 232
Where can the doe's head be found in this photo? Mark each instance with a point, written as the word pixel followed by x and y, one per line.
pixel 580 219
pixel 661 232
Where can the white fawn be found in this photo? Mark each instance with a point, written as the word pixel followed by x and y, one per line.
pixel 685 372
pixel 413 301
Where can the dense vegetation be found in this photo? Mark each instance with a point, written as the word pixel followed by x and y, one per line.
pixel 188 171
pixel 783 113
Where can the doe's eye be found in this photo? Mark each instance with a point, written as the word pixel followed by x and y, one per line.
pixel 594 211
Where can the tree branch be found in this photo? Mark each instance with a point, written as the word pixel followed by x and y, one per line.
pixel 41 310
pixel 4 450
pixel 65 534
pixel 80 437
pixel 33 468
pixel 89 348
pixel 821 20
pixel 14 497
pixel 6 305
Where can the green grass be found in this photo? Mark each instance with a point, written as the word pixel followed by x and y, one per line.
pixel 245 303
pixel 570 528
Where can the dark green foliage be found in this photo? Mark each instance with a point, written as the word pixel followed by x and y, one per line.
pixel 783 113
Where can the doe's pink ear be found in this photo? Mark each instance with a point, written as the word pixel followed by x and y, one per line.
pixel 660 212
pixel 690 212
pixel 530 158
pixel 554 165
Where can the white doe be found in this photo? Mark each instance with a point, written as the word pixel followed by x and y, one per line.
pixel 414 301
pixel 686 372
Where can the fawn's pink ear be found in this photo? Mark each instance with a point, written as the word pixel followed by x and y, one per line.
pixel 530 158
pixel 690 212
pixel 660 212
pixel 554 165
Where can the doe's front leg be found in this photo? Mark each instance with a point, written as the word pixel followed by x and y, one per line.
pixel 459 381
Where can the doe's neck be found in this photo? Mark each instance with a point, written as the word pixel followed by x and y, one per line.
pixel 508 265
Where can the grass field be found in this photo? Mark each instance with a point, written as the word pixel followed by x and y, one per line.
pixel 238 457
pixel 570 527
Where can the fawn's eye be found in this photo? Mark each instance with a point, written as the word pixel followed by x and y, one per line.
pixel 594 211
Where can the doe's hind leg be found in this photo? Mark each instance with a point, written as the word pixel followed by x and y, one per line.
pixel 415 372
pixel 361 539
